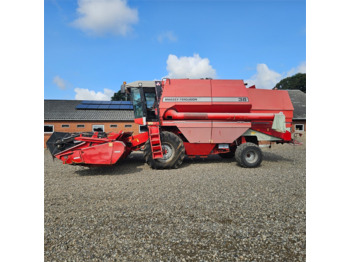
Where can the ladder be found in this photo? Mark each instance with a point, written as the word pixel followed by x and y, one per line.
pixel 154 139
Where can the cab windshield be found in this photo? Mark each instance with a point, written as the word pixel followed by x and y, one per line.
pixel 150 105
pixel 137 102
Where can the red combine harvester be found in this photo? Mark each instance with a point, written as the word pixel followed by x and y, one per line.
pixel 193 117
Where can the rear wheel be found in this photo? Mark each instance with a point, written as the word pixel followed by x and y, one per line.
pixel 248 155
pixel 173 152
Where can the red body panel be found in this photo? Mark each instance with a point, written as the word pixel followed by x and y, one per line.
pixel 138 139
pixel 198 149
pixel 187 105
pixel 227 132
pixel 100 151
pixel 103 154
pixel 194 131
pixel 223 90
pixel 106 153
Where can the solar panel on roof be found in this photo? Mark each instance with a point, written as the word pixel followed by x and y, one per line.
pixel 105 102
pixel 80 106
pixel 92 102
pixel 103 106
pixel 114 107
pixel 126 107
pixel 92 106
pixel 126 102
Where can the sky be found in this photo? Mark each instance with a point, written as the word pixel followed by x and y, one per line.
pixel 92 46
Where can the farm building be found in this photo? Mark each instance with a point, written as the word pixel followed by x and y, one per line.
pixel 76 116
pixel 298 99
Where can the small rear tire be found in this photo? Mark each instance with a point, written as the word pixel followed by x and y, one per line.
pixel 248 155
pixel 173 155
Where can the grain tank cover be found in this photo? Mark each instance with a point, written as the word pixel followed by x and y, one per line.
pixel 205 95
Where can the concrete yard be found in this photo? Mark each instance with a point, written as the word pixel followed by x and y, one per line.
pixel 207 210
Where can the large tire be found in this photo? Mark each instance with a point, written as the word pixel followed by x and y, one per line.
pixel 248 155
pixel 175 152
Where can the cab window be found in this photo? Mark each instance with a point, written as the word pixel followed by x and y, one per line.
pixel 137 102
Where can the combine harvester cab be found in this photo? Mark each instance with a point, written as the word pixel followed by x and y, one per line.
pixel 188 117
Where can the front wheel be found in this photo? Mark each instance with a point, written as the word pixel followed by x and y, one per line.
pixel 248 155
pixel 173 152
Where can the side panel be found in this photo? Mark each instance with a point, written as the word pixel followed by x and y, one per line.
pixel 210 131
pixel 227 132
pixel 271 101
pixel 103 154
pixel 118 151
pixel 198 149
pixel 186 95
pixel 195 87
pixel 230 96
pixel 196 132
pixel 263 99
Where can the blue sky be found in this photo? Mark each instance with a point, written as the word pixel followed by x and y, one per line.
pixel 92 46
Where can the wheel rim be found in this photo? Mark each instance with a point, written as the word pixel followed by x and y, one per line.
pixel 168 152
pixel 251 156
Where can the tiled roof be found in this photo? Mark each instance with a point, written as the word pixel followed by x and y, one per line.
pixel 298 99
pixel 65 110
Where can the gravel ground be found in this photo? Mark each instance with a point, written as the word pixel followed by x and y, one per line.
pixel 207 210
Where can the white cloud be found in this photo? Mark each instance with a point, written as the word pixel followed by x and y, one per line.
pixel 266 78
pixel 189 67
pixel 60 82
pixel 100 17
pixel 299 69
pixel 86 94
pixel 167 36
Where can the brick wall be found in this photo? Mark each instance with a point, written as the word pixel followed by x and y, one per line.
pixel 88 127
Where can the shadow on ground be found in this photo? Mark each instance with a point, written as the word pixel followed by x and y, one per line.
pixel 135 162
pixel 272 157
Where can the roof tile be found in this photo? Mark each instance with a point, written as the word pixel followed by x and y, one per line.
pixel 65 110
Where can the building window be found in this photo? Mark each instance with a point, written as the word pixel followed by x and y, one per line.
pixel 299 127
pixel 113 126
pixel 143 129
pixel 98 128
pixel 48 129
pixel 128 125
pixel 80 126
pixel 65 126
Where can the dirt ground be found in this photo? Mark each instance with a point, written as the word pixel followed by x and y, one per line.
pixel 207 210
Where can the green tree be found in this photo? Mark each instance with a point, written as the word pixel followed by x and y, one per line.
pixel 297 81
pixel 119 97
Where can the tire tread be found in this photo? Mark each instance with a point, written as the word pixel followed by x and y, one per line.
pixel 179 152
